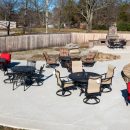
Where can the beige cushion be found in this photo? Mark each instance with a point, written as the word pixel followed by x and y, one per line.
pixel 93 85
pixel 77 66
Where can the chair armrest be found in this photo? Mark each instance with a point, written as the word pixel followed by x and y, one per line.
pixel 106 79
pixel 66 78
pixel 103 74
pixel 68 82
pixel 57 58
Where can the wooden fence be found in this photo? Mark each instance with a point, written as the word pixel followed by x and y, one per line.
pixel 85 37
pixel 27 42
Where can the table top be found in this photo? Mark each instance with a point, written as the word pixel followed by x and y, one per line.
pixel 126 70
pixel 82 76
pixel 23 69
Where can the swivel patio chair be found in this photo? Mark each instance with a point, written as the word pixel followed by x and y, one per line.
pixel 64 52
pixel 64 57
pixel 50 61
pixel 107 79
pixel 93 89
pixel 63 84
pixel 88 60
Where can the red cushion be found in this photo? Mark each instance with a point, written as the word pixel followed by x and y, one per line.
pixel 128 89
pixel 6 56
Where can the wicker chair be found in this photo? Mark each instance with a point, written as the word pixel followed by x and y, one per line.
pixel 107 79
pixel 88 60
pixel 63 84
pixel 50 61
pixel 64 52
pixel 93 89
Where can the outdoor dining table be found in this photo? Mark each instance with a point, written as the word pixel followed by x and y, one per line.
pixel 23 69
pixel 81 79
pixel 22 75
pixel 23 72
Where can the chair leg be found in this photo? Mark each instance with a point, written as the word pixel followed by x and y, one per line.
pixel 63 92
pixel 88 98
pixel 106 88
pixel 81 91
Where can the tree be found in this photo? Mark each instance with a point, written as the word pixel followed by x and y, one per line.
pixel 8 8
pixel 87 8
pixel 70 12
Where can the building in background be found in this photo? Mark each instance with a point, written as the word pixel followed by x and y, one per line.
pixel 4 24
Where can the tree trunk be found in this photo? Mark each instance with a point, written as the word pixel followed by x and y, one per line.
pixel 8 29
pixel 89 23
pixel 47 16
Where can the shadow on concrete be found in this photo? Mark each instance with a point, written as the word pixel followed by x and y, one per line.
pixel 125 96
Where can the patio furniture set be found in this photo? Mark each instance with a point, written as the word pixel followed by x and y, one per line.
pixel 114 43
pixel 89 83
pixel 113 40
pixel 26 75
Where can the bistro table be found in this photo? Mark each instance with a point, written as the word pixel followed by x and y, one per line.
pixel 81 79
pixel 22 75
pixel 23 69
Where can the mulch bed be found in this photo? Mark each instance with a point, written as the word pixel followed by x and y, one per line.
pixel 106 56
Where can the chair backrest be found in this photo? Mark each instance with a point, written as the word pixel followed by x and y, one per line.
pixel 57 74
pixel 77 66
pixel 64 52
pixel 94 84
pixel 31 63
pixel 110 71
pixel 46 56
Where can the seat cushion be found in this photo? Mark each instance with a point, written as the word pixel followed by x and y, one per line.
pixel 6 56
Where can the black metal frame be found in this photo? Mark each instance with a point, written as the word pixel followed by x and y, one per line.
pixel 62 90
pixel 106 86
pixel 92 96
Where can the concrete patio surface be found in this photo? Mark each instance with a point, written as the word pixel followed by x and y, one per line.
pixel 39 108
